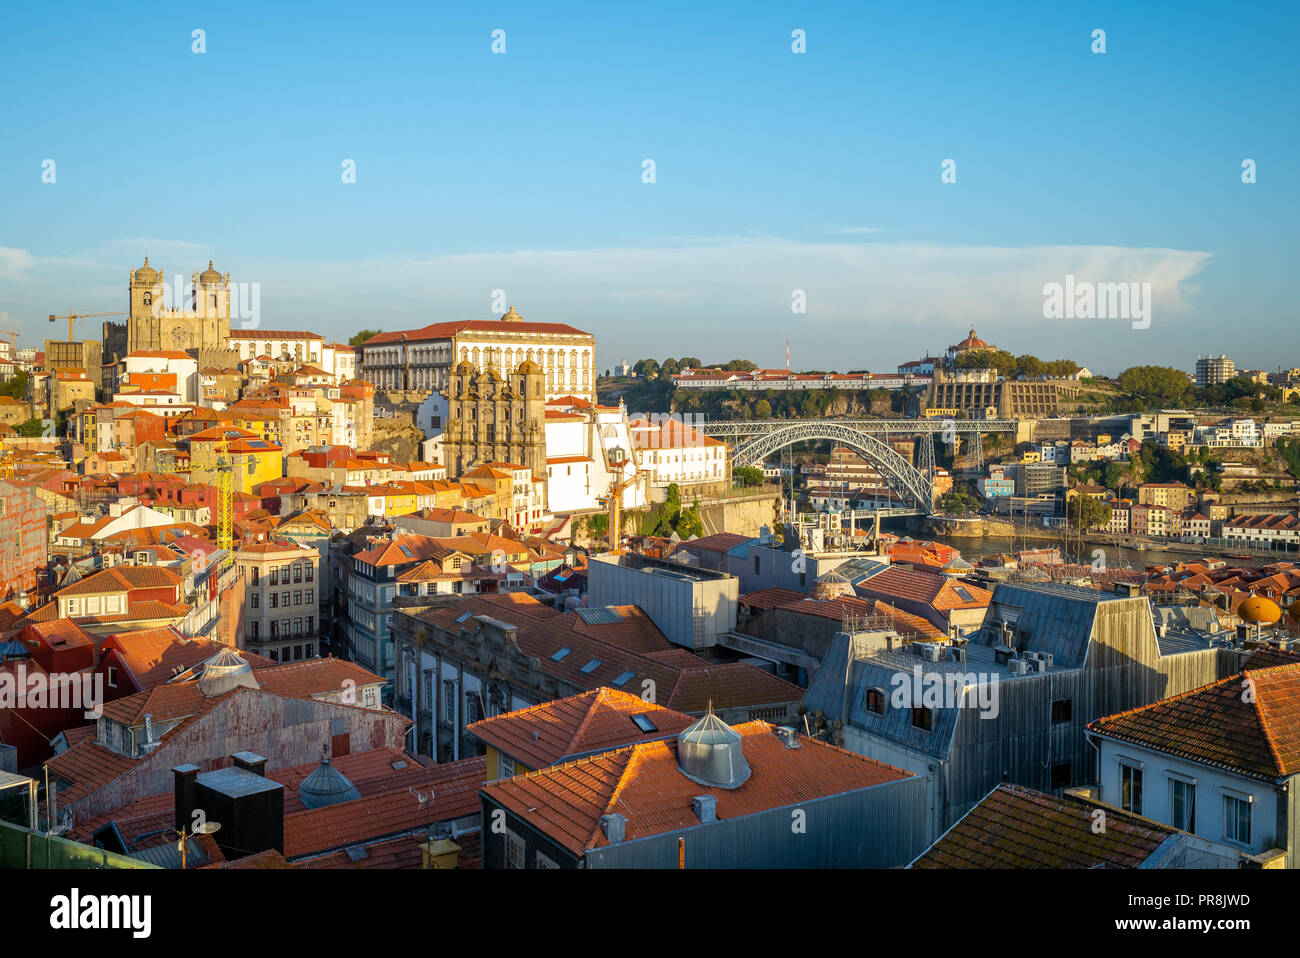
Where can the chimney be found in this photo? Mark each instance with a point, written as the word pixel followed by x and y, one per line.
pixel 705 808
pixel 185 780
pixel 613 826
pixel 249 761
pixel 789 736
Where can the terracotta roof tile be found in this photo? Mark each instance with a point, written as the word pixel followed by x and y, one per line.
pixel 644 783
pixel 581 724
pixel 1017 827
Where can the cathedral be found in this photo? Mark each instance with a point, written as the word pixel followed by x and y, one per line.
pixel 197 319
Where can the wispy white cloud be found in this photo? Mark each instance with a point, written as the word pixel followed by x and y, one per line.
pixel 869 304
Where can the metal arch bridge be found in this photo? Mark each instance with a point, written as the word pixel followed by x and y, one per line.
pixel 753 442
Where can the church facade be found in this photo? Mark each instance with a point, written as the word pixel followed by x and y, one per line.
pixel 197 318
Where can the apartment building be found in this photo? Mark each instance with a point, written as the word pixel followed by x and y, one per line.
pixel 280 605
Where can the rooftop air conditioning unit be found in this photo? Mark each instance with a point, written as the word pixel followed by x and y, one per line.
pixel 957 653
pixel 1003 654
pixel 927 650
pixel 1018 666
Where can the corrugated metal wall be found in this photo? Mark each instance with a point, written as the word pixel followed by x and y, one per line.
pixel 880 827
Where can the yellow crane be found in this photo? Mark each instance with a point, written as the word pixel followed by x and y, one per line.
pixel 618 458
pixel 226 514
pixel 72 317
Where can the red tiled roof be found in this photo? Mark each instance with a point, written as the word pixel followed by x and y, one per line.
pixel 644 783
pixel 447 330
pixel 1255 734
pixel 581 724
pixel 1017 827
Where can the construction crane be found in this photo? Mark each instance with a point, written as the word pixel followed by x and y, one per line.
pixel 73 317
pixel 226 514
pixel 618 458
pixel 13 342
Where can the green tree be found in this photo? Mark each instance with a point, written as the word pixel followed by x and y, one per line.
pixel 668 367
pixel 762 409
pixel 1086 513
pixel 647 368
pixel 689 362
pixel 1156 385
pixel 359 338
pixel 15 387
pixel 747 476
pixel 689 523
pixel 31 429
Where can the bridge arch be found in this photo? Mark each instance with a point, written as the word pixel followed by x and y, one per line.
pixel 900 475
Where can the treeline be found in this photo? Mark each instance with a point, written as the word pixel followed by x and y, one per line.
pixel 780 403
pixel 1013 367
pixel 1147 386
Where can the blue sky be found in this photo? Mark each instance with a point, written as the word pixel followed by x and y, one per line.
pixel 774 171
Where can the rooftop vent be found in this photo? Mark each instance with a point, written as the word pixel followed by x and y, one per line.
pixel 789 736
pixel 326 786
pixel 225 671
pixel 709 752
pixel 614 827
pixel 705 808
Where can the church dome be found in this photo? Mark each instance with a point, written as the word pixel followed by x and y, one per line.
pixel 528 367
pixel 709 752
pixel 326 786
pixel 512 317
pixel 209 275
pixel 146 273
pixel 973 342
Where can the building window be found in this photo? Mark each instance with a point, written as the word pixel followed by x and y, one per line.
pixel 254 600
pixel 876 701
pixel 252 630
pixel 1130 789
pixel 1061 711
pixel 1182 805
pixel 310 573
pixel 297 573
pixel 112 677
pixel 275 600
pixel 546 863
pixel 297 597
pixel 505 766
pixel 514 850
pixel 449 701
pixel 922 718
pixel 1061 775
pixel 275 577
pixel 1236 819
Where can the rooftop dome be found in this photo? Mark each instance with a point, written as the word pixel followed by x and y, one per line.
pixel 225 671
pixel 209 275
pixel 1258 610
pixel 709 752
pixel 146 273
pixel 326 786
pixel 528 366
pixel 511 316
pixel 973 342
pixel 832 585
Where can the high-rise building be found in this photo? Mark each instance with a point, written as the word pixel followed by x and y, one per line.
pixel 1214 370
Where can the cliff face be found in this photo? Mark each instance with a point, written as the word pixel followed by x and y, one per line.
pixel 397 437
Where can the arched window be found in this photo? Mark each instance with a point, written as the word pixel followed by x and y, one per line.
pixel 876 701
pixel 212 300
pixel 148 299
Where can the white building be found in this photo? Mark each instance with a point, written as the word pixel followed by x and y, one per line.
pixel 673 451
pixel 422 359
pixel 1236 797
pixel 584 444
pixel 141 363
